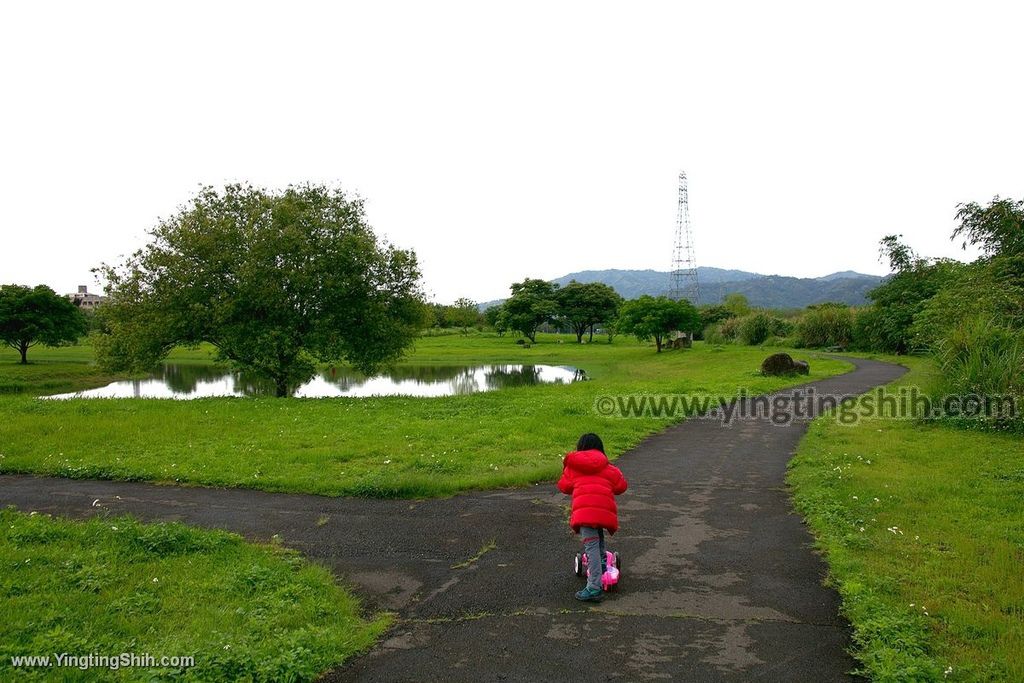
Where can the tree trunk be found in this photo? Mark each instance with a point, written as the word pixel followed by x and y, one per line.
pixel 280 388
pixel 657 342
pixel 23 348
pixel 591 333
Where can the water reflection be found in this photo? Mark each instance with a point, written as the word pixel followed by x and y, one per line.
pixel 186 381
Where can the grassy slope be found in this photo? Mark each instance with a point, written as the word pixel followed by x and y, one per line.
pixel 393 446
pixel 923 528
pixel 114 585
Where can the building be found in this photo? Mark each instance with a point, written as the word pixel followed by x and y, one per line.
pixel 85 300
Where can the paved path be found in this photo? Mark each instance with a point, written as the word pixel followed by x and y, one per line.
pixel 719 578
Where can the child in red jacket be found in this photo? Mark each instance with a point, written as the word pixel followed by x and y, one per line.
pixel 593 484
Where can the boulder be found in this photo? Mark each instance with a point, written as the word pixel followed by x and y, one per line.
pixel 783 364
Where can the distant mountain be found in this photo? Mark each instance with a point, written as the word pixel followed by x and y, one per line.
pixel 777 291
pixel 766 291
pixel 633 283
pixel 843 275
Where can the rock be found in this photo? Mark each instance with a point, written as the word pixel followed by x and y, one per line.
pixel 783 364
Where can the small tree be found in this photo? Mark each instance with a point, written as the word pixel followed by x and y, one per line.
pixel 737 304
pixel 531 305
pixel 649 317
pixel 38 315
pixel 464 314
pixel 275 280
pixel 582 306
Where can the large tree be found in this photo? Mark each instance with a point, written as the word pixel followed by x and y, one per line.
pixel 275 280
pixel 531 305
pixel 37 315
pixel 887 325
pixel 584 305
pixel 998 229
pixel 649 317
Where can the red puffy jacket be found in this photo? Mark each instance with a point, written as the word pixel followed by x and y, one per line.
pixel 593 483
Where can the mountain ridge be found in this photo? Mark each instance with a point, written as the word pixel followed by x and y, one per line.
pixel 763 291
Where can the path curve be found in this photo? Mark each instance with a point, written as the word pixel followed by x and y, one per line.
pixel 720 579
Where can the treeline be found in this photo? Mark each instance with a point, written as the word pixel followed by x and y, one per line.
pixel 583 309
pixel 969 316
pixel 463 315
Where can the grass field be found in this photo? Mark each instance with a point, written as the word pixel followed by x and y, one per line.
pixel 392 446
pixel 114 585
pixel 923 529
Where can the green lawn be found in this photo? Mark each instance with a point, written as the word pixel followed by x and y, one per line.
pixel 50 371
pixel 114 585
pixel 392 446
pixel 923 529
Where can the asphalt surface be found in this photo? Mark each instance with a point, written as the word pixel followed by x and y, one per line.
pixel 719 579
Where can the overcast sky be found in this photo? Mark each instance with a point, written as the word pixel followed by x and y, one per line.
pixel 514 139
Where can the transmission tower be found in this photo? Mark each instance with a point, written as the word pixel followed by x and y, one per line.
pixel 683 278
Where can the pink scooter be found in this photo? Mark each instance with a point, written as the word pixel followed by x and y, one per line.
pixel 610 578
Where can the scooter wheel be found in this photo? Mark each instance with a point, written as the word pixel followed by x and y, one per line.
pixel 618 562
pixel 578 565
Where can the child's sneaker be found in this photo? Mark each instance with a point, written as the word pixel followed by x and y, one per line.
pixel 590 595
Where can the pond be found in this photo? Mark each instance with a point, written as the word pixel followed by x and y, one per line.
pixel 186 381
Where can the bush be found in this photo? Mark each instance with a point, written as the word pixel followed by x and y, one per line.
pixel 713 335
pixel 730 329
pixel 823 326
pixel 866 322
pixel 755 328
pixel 993 288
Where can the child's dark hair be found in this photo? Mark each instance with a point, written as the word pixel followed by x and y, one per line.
pixel 590 442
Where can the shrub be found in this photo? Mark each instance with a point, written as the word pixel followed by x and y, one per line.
pixel 730 328
pixel 993 288
pixel 713 335
pixel 755 328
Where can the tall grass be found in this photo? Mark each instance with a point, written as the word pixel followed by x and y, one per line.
pixel 825 326
pixel 979 357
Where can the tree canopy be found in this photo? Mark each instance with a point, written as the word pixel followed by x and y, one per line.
pixel 582 306
pixel 649 317
pixel 998 229
pixel 37 315
pixel 737 304
pixel 275 280
pixel 464 313
pixel 531 305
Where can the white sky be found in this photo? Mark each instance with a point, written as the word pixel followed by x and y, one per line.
pixel 514 139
